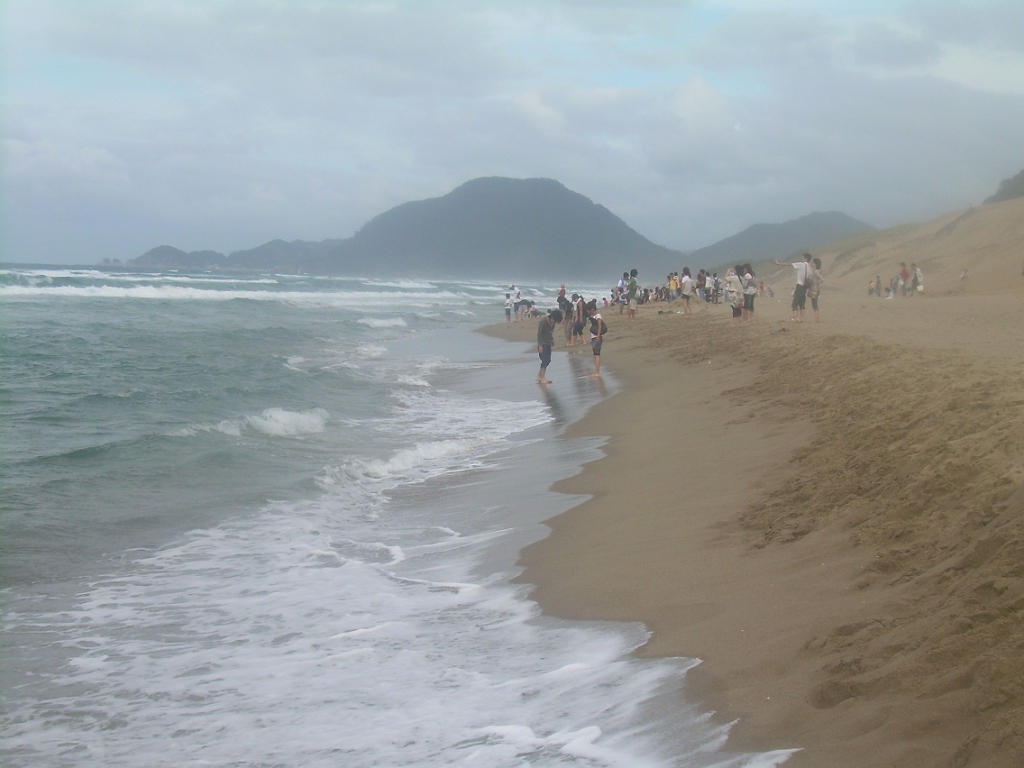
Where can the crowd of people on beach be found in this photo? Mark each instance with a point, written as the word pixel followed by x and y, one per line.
pixel 738 288
pixel 577 316
pixel 908 282
pixel 519 308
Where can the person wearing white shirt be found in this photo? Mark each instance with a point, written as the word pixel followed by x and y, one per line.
pixel 803 277
pixel 734 290
pixel 749 292
pixel 686 290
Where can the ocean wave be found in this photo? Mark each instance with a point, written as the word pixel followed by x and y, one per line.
pixel 371 351
pixel 275 422
pixel 383 322
pixel 405 284
pixel 432 414
pixel 418 458
pixel 358 300
pixel 278 422
pixel 51 273
pixel 357 675
pixel 465 434
pixel 225 427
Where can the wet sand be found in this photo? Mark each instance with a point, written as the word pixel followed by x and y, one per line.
pixel 830 516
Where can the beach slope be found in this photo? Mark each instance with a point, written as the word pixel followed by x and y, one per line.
pixel 830 516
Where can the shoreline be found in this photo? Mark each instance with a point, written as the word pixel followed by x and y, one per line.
pixel 747 514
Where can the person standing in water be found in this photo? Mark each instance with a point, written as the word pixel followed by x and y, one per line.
pixel 566 305
pixel 597 331
pixel 545 340
pixel 579 319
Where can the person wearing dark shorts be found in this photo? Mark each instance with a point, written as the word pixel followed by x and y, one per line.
pixel 814 286
pixel 799 301
pixel 579 320
pixel 734 285
pixel 545 339
pixel 749 292
pixel 597 331
pixel 803 278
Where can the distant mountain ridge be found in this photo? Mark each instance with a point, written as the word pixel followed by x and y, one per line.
pixel 1009 189
pixel 168 257
pixel 496 227
pixel 763 242
pixel 488 227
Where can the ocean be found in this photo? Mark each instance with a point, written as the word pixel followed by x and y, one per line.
pixel 273 521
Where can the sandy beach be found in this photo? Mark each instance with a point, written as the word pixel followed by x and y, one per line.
pixel 829 516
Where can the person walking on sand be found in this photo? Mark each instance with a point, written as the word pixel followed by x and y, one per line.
pixel 597 332
pixel 904 279
pixel 545 338
pixel 686 288
pixel 749 293
pixel 508 308
pixel 734 286
pixel 803 276
pixel 631 289
pixel 814 286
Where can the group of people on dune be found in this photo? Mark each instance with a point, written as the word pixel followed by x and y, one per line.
pixel 906 283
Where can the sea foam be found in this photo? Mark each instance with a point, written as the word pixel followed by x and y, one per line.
pixel 281 423
pixel 368 620
pixel 383 322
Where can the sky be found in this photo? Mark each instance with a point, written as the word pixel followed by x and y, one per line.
pixel 223 124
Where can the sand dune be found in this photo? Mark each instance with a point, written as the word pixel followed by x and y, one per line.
pixel 830 516
pixel 987 241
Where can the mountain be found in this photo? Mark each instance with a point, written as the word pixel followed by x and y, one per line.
pixel 508 229
pixel 168 257
pixel 1009 189
pixel 763 242
pixel 487 228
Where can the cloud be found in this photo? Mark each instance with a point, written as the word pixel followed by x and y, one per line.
pixel 879 45
pixel 768 39
pixel 996 24
pixel 223 124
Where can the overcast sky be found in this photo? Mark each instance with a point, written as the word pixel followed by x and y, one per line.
pixel 222 125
